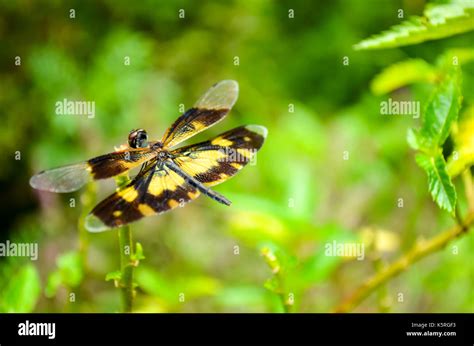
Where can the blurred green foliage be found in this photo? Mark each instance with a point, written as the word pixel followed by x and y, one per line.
pixel 332 168
pixel 22 290
pixel 69 273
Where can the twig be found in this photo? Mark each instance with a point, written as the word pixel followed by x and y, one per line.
pixel 383 297
pixel 419 251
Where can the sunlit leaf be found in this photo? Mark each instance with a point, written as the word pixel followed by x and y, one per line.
pixel 401 74
pixel 463 154
pixel 439 21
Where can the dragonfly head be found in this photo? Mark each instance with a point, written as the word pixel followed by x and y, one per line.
pixel 138 139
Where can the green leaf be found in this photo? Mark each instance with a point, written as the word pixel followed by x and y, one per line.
pixel 139 252
pixel 439 21
pixel 138 255
pixel 439 183
pixel 442 110
pixel 115 276
pixel 23 290
pixel 401 74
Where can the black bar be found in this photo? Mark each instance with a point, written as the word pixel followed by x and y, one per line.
pixel 289 329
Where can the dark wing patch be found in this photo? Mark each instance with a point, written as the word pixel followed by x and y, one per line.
pixel 214 161
pixel 109 165
pixel 151 192
pixel 207 111
pixel 73 177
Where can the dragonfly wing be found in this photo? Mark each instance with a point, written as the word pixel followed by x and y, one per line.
pixel 73 177
pixel 154 191
pixel 214 161
pixel 207 111
pixel 63 179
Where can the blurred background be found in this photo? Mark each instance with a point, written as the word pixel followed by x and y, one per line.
pixel 332 168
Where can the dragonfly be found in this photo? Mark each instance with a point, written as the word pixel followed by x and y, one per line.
pixel 168 177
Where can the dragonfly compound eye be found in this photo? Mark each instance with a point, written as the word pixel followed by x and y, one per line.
pixel 138 139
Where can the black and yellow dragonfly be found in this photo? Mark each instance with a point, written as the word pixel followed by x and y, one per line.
pixel 168 177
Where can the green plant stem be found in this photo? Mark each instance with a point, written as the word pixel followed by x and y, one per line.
pixel 418 252
pixel 284 299
pixel 126 268
pixel 286 306
pixel 87 201
pixel 274 264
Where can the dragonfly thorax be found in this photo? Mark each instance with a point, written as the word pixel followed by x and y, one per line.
pixel 163 155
